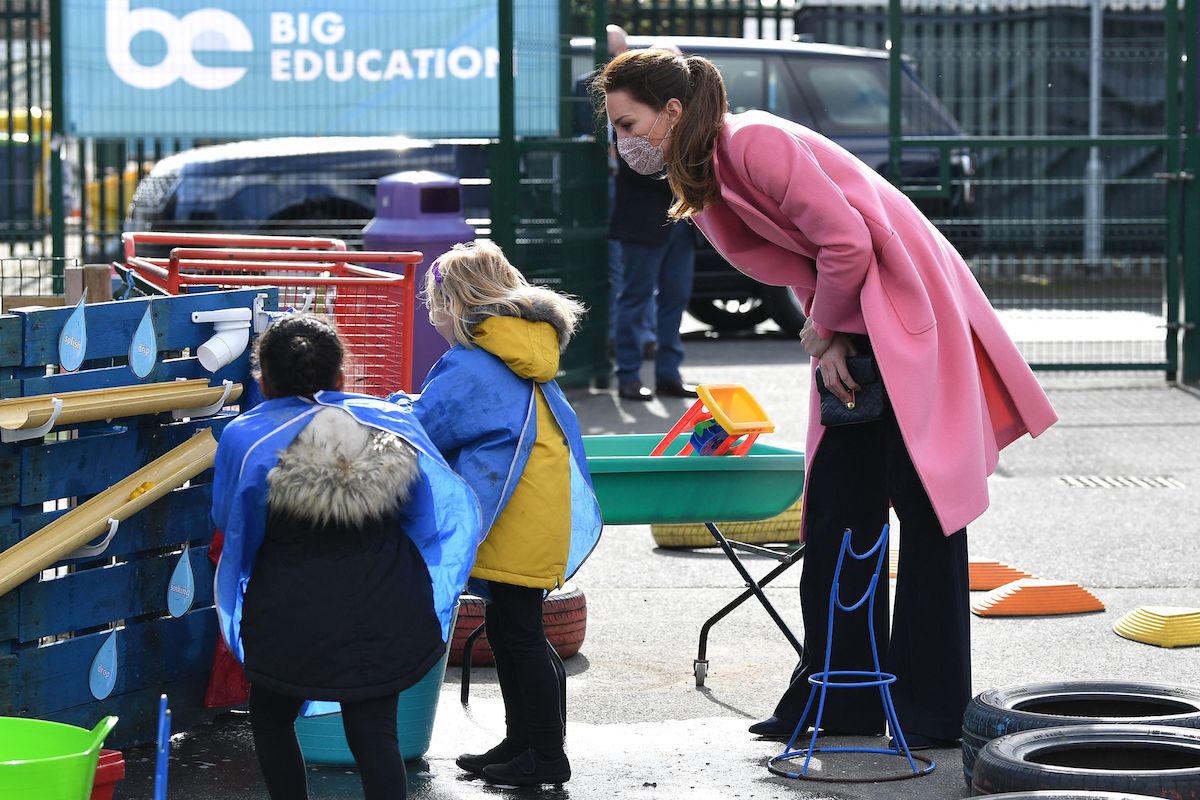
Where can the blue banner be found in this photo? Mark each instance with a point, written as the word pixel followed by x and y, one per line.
pixel 249 68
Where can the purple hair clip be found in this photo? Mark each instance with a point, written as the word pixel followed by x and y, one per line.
pixel 437 271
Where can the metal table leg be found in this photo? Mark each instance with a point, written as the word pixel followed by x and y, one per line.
pixel 754 589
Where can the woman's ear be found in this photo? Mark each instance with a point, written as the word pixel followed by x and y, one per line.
pixel 341 381
pixel 674 111
pixel 265 387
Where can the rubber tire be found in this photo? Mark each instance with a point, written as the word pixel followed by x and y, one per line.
pixel 997 712
pixel 1018 762
pixel 721 318
pixel 1067 794
pixel 564 614
pixel 784 308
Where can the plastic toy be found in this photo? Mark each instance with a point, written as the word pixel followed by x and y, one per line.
pixel 724 419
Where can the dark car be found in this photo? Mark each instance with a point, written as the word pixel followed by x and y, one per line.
pixel 326 185
pixel 316 186
pixel 841 92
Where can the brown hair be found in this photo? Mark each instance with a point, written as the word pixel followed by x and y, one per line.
pixel 652 77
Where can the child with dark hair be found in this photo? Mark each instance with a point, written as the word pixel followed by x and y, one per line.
pixel 492 407
pixel 347 542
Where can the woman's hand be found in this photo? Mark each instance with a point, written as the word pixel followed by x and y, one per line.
pixel 834 371
pixel 812 343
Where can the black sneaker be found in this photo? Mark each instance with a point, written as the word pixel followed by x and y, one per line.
pixel 528 769
pixel 474 763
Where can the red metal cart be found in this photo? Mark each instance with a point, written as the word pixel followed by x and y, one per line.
pixel 373 309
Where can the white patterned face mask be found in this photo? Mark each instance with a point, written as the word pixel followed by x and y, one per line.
pixel 643 156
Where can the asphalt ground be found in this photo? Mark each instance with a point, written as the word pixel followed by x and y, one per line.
pixel 638 727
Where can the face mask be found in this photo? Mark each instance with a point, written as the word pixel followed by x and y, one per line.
pixel 642 156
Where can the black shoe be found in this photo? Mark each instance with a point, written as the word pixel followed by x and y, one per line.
pixel 634 391
pixel 917 741
pixel 675 389
pixel 474 763
pixel 528 769
pixel 773 728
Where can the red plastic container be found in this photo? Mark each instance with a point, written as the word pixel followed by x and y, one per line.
pixel 109 770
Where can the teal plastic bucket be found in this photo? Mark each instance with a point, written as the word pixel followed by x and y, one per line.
pixel 323 741
pixel 49 760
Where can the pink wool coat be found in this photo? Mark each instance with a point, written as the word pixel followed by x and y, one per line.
pixel 798 210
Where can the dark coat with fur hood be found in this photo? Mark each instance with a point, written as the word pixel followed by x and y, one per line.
pixel 339 605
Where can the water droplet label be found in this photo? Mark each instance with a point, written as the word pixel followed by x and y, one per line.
pixel 181 590
pixel 103 676
pixel 143 349
pixel 72 342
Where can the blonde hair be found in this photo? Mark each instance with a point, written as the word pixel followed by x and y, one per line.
pixel 652 77
pixel 474 281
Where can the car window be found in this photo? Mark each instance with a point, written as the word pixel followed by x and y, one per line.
pixel 850 95
pixel 758 82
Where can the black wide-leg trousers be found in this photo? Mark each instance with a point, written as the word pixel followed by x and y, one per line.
pixel 856 471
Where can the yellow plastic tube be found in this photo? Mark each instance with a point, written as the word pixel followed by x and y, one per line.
pixel 79 526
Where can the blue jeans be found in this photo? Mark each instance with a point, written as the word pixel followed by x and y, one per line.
pixel 668 269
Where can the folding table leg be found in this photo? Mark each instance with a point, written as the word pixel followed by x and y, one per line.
pixel 754 589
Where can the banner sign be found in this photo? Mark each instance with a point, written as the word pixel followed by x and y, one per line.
pixel 253 68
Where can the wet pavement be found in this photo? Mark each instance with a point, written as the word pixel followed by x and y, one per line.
pixel 639 727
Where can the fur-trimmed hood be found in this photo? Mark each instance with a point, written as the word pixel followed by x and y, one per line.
pixel 537 305
pixel 339 472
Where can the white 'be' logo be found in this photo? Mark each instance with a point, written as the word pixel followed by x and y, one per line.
pixel 204 29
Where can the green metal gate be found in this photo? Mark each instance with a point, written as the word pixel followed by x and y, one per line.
pixel 1089 269
pixel 1074 129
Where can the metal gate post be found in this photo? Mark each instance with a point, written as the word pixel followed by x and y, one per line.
pixel 1173 147
pixel 503 166
pixel 58 205
pixel 1188 338
pixel 895 35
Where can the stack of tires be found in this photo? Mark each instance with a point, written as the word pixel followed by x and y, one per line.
pixel 1134 739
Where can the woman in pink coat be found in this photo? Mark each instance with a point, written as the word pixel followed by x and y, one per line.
pixel 789 207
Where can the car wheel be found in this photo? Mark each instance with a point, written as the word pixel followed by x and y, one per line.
pixel 784 308
pixel 735 314
pixel 336 219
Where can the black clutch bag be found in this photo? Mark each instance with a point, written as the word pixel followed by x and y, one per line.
pixel 868 400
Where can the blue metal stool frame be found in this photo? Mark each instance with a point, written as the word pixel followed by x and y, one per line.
pixel 852 679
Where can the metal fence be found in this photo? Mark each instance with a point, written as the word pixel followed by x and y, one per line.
pixel 1071 118
pixel 1073 212
pixel 1072 131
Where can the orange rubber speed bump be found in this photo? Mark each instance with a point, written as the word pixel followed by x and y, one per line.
pixel 986 574
pixel 1162 626
pixel 1035 597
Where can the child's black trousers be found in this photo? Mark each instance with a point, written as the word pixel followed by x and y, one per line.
pixel 530 681
pixel 370 727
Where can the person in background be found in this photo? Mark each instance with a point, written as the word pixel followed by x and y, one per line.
pixel 493 408
pixel 658 258
pixel 347 540
pixel 587 123
pixel 789 207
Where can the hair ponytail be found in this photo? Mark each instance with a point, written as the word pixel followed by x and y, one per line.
pixel 690 167
pixel 652 77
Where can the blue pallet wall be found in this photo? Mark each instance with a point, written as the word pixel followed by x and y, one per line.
pixel 51 629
